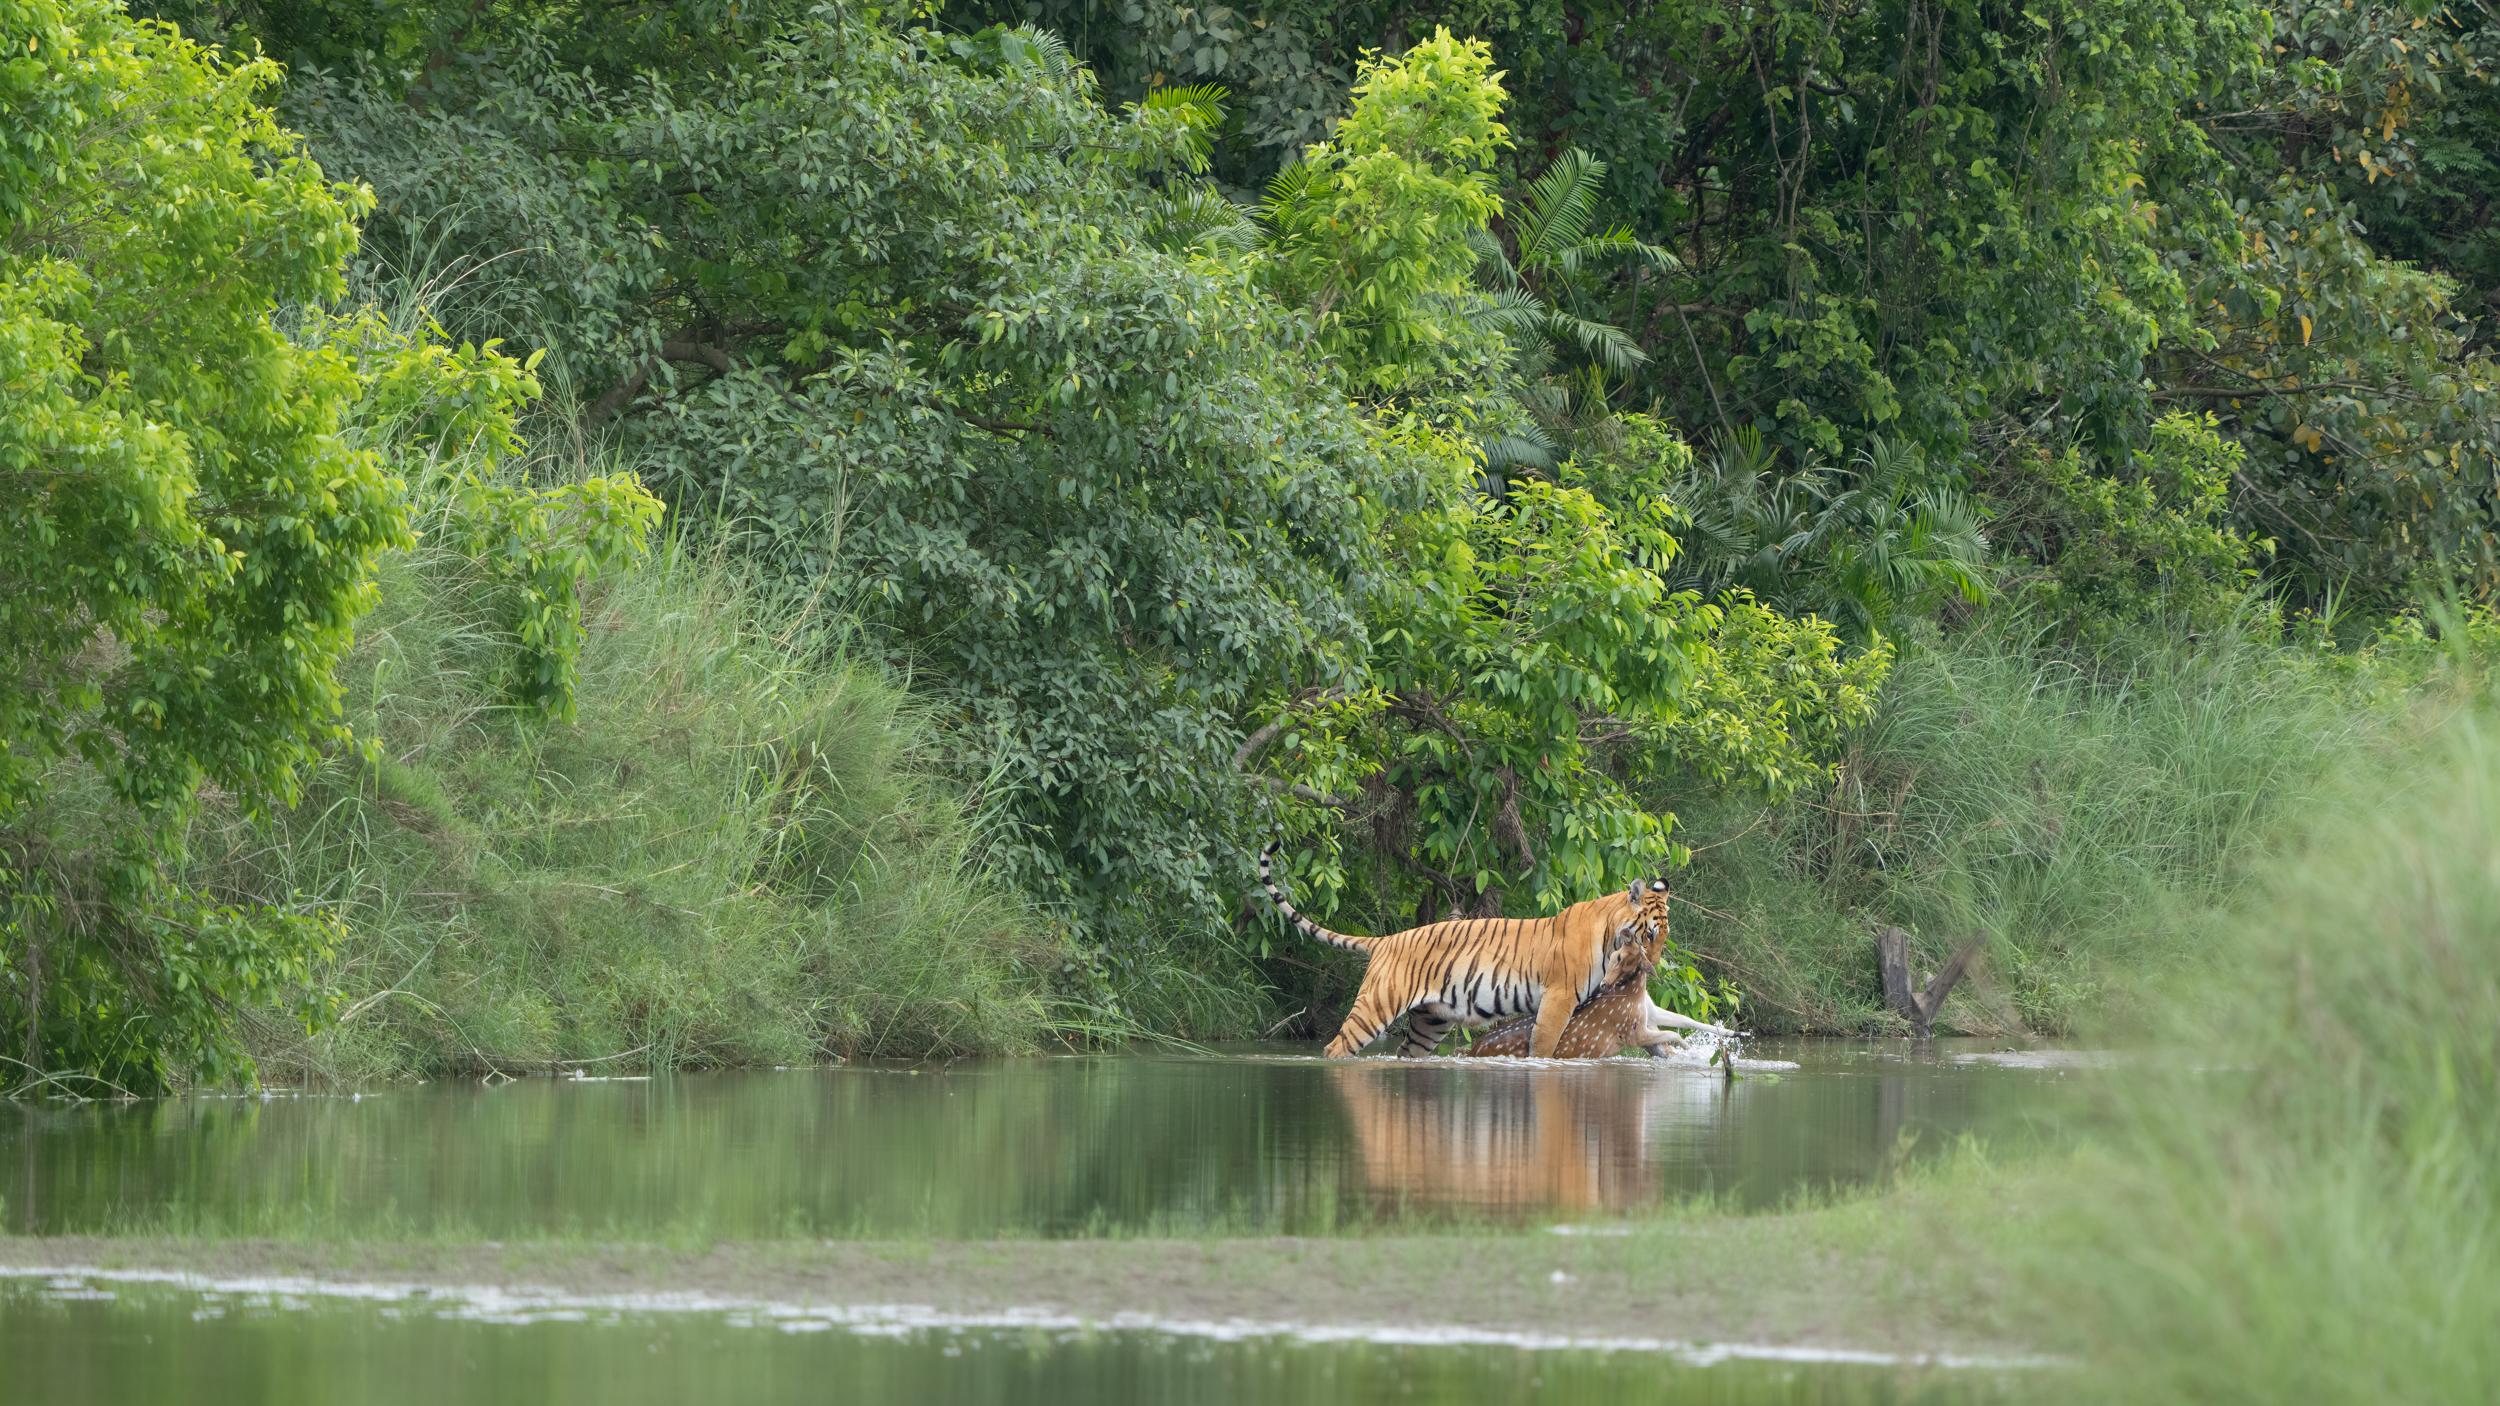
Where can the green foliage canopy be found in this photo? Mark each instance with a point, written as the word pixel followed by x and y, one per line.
pixel 1371 224
pixel 1536 667
pixel 908 313
pixel 1357 509
pixel 1125 475
pixel 1990 234
pixel 2155 545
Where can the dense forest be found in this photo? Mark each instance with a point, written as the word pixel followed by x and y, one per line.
pixel 742 531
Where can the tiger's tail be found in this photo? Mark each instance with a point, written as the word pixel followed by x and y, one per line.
pixel 1267 876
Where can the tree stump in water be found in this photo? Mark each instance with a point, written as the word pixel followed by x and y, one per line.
pixel 1892 957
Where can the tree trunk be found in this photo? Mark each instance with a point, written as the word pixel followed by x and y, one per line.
pixel 1892 958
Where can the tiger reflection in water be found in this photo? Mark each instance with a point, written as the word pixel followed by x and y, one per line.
pixel 1532 1138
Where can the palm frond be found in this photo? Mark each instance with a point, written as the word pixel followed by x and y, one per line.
pixel 1743 454
pixel 1194 114
pixel 1492 260
pixel 1513 313
pixel 1524 445
pixel 1560 203
pixel 1198 217
pixel 1205 97
pixel 1289 187
pixel 1617 243
pixel 1604 343
pixel 1546 399
pixel 1040 51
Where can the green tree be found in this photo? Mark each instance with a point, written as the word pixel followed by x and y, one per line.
pixel 1988 234
pixel 1530 658
pixel 1533 666
pixel 195 480
pixel 2360 387
pixel 190 539
pixel 2393 108
pixel 2157 543
pixel 1372 225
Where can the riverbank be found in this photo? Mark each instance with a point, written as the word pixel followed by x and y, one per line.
pixel 750 848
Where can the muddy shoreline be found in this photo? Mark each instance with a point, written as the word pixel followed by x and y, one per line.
pixel 1760 1281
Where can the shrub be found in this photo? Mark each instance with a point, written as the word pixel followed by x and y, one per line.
pixel 737 852
pixel 2154 543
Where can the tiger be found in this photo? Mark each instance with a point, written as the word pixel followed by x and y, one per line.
pixel 1478 970
pixel 1618 1015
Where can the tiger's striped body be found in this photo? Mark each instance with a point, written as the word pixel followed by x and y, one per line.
pixel 1617 1016
pixel 1474 971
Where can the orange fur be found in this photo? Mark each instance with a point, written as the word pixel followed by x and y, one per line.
pixel 1614 1018
pixel 1476 970
pixel 1540 1139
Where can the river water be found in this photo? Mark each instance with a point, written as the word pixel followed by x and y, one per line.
pixel 1246 1143
pixel 1249 1142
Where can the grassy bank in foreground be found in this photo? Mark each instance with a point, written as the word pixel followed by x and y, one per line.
pixel 2301 1202
pixel 741 852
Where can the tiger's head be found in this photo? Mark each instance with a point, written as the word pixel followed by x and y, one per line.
pixel 1648 923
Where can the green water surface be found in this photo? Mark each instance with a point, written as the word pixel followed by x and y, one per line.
pixel 1248 1143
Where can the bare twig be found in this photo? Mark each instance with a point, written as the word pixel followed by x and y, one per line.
pixel 1759 817
pixel 40 1078
pixel 622 394
pixel 1255 742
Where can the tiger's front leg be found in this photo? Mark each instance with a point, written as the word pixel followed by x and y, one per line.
pixel 1553 1012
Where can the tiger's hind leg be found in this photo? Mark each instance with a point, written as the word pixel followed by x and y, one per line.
pixel 1363 1024
pixel 1426 1027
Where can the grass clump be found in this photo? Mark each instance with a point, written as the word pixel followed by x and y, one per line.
pixel 2066 808
pixel 2302 1204
pixel 741 851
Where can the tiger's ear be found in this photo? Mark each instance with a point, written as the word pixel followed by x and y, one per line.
pixel 1632 895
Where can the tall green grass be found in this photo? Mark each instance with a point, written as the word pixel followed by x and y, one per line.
pixel 2065 808
pixel 742 852
pixel 2301 1201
